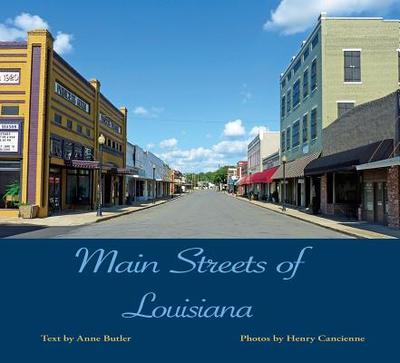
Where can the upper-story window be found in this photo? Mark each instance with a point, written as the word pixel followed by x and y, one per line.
pixel 10 110
pixel 87 132
pixel 306 53
pixel 283 139
pixel 288 138
pixel 69 124
pixel 305 128
pixel 288 101
pixel 352 66
pixel 296 93
pixel 315 40
pixel 305 84
pixel 283 83
pixel 297 65
pixel 313 75
pixel 283 105
pixel 296 134
pixel 314 124
pixel 57 119
pixel 289 76
pixel 343 107
pixel 79 128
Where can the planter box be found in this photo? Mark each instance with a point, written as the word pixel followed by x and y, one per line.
pixel 28 211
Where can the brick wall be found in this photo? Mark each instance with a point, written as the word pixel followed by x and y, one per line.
pixel 393 186
pixel 368 123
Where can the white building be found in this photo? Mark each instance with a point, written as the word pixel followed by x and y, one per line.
pixel 263 145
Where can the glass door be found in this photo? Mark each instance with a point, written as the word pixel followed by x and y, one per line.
pixel 54 191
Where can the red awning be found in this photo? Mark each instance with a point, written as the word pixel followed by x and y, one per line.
pixel 244 180
pixel 264 177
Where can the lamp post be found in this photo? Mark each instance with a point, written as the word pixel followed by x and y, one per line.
pixel 154 183
pixel 101 140
pixel 284 161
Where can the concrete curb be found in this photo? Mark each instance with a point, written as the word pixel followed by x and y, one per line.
pixel 316 223
pixel 107 218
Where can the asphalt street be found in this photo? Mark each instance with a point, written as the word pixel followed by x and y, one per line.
pixel 203 214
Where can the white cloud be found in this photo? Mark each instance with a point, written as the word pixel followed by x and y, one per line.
pixel 296 16
pixel 169 143
pixel 256 130
pixel 62 43
pixel 142 111
pixel 16 29
pixel 231 148
pixel 234 128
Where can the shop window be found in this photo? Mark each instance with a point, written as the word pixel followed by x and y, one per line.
pixel 10 174
pixel 78 187
pixel 57 119
pixel 10 110
pixel 346 188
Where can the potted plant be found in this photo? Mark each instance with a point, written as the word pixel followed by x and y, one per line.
pixel 28 211
pixel 11 196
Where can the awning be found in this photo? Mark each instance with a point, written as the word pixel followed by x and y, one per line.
pixel 295 168
pixel 82 164
pixel 244 180
pixel 348 160
pixel 385 163
pixel 263 177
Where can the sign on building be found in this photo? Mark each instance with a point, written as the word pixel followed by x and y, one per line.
pixel 8 76
pixel 71 97
pixel 10 134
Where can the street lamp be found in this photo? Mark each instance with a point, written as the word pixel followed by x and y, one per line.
pixel 154 183
pixel 101 140
pixel 284 161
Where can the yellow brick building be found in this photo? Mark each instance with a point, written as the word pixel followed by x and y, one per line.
pixel 50 121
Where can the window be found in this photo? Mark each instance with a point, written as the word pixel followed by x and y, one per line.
pixel 352 66
pixel 57 119
pixel 306 53
pixel 305 84
pixel 314 75
pixel 314 124
pixel 87 132
pixel 69 124
pixel 296 93
pixel 305 128
pixel 68 150
pixel 288 101
pixel 283 135
pixel 10 110
pixel 56 147
pixel 88 153
pixel 78 152
pixel 343 107
pixel 79 128
pixel 288 138
pixel 315 41
pixel 283 104
pixel 289 76
pixel 296 134
pixel 297 65
pixel 283 83
pixel 10 173
pixel 109 143
pixel 120 147
pixel 113 144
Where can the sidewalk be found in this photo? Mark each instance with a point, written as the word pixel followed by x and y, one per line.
pixel 86 217
pixel 352 228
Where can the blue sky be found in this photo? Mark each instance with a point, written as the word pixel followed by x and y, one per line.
pixel 198 76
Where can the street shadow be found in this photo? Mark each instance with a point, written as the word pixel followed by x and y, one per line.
pixel 7 230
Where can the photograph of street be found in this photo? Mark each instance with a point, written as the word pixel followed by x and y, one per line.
pixel 262 124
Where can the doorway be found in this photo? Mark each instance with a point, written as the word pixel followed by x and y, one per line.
pixel 54 191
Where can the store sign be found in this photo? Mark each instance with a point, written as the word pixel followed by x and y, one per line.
pixel 9 76
pixel 10 134
pixel 105 120
pixel 71 97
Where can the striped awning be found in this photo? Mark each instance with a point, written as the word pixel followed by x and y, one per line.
pixel 82 164
pixel 295 168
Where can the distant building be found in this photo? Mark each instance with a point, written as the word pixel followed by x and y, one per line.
pixel 241 168
pixel 264 144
